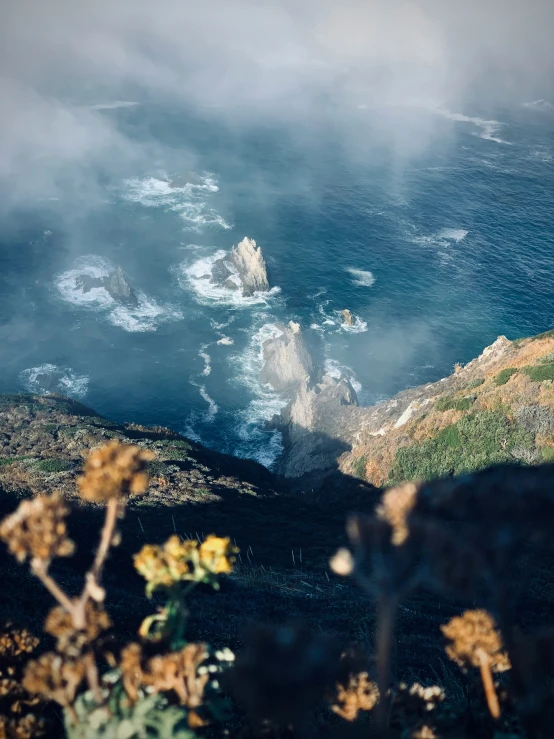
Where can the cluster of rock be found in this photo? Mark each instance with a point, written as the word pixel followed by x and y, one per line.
pixel 243 268
pixel 315 423
pixel 116 285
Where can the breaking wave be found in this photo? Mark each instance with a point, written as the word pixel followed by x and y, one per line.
pixel 49 378
pixel 189 199
pixel 147 315
pixel 257 442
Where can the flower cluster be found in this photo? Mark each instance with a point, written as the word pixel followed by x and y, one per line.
pixel 179 671
pixel 37 529
pixel 178 560
pixel 72 641
pixel 115 471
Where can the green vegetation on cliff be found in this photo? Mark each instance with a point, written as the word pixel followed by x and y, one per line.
pixel 474 442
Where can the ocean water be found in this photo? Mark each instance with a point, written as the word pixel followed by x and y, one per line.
pixel 435 253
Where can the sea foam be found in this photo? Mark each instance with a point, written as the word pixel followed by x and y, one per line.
pixel 49 378
pixel 146 316
pixel 361 278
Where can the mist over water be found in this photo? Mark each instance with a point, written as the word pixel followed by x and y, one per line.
pixel 428 219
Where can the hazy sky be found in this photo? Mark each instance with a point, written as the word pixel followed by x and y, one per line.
pixel 245 61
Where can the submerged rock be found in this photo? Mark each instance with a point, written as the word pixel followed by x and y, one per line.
pixel 347 317
pixel 115 284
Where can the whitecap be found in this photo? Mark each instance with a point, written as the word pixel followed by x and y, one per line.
pixel 362 278
pixel 49 378
pixel 147 315
pixel 189 200
pixel 225 341
pixel 489 128
pixel 453 234
pixel 197 276
pixel 207 360
pixel 442 238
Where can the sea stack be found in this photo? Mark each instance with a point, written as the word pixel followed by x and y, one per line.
pixel 248 260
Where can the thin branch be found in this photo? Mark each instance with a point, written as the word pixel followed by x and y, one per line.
pixel 39 568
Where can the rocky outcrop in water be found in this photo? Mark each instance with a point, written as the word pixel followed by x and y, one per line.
pixel 313 422
pixel 288 363
pixel 242 269
pixel 115 283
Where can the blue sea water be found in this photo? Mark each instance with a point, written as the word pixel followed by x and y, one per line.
pixel 436 252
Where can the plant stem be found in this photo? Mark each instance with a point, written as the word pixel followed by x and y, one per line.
pixel 488 684
pixel 92 676
pixel 386 614
pixel 39 568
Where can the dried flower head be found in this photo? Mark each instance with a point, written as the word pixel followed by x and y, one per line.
pixel 72 641
pixel 471 635
pixel 37 529
pixel 114 471
pixel 28 726
pixel 15 642
pixel 178 560
pixel 358 694
pixel 476 642
pixel 395 507
pixel 54 677
pixel 175 671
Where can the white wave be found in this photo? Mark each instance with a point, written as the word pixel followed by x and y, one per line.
pixel 212 405
pixel 539 105
pixel 453 234
pixel 258 443
pixel 225 341
pixel 189 200
pixel 49 378
pixel 198 276
pixel 488 128
pixel 207 360
pixel 146 316
pixel 362 278
pixel 336 370
pixel 442 238
pixel 358 327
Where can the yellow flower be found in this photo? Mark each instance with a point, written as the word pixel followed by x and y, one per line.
pixel 178 560
pixel 217 554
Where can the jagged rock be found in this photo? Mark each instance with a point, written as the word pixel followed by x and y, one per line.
pixel 288 363
pixel 248 260
pixel 115 283
pixel 242 269
pixel 118 287
pixel 312 426
pixel 347 317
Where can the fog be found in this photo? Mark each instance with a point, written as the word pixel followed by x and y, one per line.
pixel 327 88
pixel 246 62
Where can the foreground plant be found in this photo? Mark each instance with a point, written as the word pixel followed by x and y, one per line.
pixel 134 698
pixel 175 568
